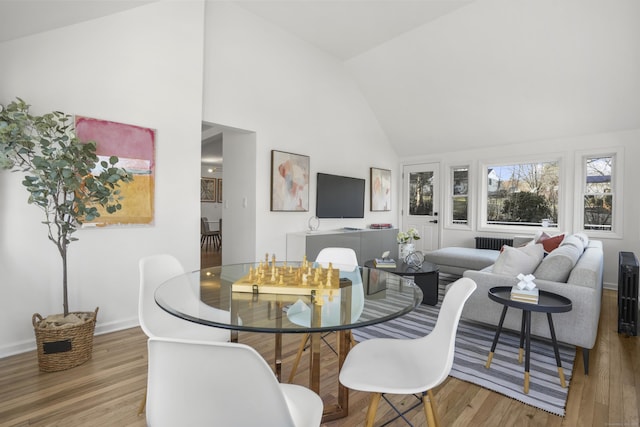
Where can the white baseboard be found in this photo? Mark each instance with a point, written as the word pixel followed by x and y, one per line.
pixel 101 328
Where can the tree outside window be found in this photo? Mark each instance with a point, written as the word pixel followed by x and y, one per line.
pixel 524 194
pixel 598 193
pixel 460 196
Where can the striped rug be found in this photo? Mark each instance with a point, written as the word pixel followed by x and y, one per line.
pixel 473 343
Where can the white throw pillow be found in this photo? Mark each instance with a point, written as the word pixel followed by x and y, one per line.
pixel 513 261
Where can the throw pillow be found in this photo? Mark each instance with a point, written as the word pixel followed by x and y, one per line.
pixel 584 238
pixel 557 266
pixel 513 261
pixel 574 241
pixel 550 242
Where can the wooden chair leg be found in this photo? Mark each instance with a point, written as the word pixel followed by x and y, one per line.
pixel 428 400
pixel 294 368
pixel 373 407
pixel 143 403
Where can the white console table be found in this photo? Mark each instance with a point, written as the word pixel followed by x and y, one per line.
pixel 367 243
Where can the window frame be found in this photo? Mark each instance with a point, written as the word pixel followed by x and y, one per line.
pixel 513 160
pixel 450 196
pixel 617 172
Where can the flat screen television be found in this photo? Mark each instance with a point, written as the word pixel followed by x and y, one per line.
pixel 339 196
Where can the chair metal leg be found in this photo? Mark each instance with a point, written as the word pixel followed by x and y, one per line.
pixel 294 368
pixel 373 407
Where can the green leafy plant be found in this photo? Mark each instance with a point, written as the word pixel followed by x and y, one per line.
pixel 63 175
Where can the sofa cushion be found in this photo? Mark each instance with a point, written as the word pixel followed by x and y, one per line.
pixel 557 266
pixel 584 238
pixel 574 241
pixel 465 258
pixel 513 261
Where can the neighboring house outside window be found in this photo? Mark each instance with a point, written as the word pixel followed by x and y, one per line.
pixel 599 192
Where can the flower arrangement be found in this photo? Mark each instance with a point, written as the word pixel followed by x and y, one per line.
pixel 408 236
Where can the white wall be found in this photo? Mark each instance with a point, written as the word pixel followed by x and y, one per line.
pixel 568 149
pixel 141 67
pixel 296 99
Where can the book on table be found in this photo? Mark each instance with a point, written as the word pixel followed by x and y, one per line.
pixel 384 263
pixel 525 295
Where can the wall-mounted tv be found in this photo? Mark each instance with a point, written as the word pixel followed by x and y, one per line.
pixel 339 196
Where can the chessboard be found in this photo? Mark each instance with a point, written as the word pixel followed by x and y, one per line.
pixel 282 278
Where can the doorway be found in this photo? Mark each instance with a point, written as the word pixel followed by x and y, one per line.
pixel 235 193
pixel 420 203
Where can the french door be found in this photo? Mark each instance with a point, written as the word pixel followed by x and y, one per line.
pixel 420 203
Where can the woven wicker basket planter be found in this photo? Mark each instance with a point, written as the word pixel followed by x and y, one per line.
pixel 65 347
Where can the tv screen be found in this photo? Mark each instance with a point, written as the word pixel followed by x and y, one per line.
pixel 339 196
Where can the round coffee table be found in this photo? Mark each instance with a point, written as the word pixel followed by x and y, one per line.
pixel 548 303
pixel 426 277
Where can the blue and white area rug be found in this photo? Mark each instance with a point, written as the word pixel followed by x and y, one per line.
pixel 473 343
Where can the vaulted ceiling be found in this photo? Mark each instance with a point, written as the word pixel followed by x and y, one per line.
pixel 447 75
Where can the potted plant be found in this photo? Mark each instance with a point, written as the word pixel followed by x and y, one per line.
pixel 66 179
pixel 405 240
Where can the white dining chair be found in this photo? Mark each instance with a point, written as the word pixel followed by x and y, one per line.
pixel 346 260
pixel 197 383
pixel 409 366
pixel 155 322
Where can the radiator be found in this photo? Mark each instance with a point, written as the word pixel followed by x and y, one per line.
pixel 628 293
pixel 495 243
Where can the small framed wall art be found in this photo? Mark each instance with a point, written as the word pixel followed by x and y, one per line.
pixel 208 187
pixel 219 190
pixel 289 182
pixel 380 190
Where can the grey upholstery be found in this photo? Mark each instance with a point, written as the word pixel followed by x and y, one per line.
pixel 583 287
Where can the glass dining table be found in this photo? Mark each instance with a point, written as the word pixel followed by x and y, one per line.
pixel 295 297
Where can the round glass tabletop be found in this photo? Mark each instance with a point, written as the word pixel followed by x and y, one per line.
pixel 257 298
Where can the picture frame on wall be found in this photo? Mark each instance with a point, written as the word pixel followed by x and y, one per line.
pixel 289 182
pixel 380 190
pixel 219 190
pixel 208 189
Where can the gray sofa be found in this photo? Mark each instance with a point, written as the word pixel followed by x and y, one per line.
pixel 582 285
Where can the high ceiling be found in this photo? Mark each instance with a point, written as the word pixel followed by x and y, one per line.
pixel 447 75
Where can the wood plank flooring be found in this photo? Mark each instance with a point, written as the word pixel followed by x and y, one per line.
pixel 107 390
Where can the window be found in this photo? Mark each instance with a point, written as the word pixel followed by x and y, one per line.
pixel 600 193
pixel 460 195
pixel 522 194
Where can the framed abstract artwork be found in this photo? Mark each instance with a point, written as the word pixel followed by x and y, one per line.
pixel 289 182
pixel 380 190
pixel 208 189
pixel 219 190
pixel 135 148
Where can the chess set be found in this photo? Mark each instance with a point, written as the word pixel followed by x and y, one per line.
pixel 280 278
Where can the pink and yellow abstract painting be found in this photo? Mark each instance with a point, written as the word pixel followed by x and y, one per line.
pixel 135 148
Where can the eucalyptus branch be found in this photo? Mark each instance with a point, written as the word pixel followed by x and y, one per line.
pixel 57 173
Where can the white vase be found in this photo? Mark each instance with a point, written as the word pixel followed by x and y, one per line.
pixel 405 249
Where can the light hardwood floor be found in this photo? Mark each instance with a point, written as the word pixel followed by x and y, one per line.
pixel 106 391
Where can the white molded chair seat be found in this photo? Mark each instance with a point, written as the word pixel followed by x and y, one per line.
pixel 299 313
pixel 196 383
pixel 409 366
pixel 155 322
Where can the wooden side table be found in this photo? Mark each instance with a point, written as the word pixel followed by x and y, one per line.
pixel 548 303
